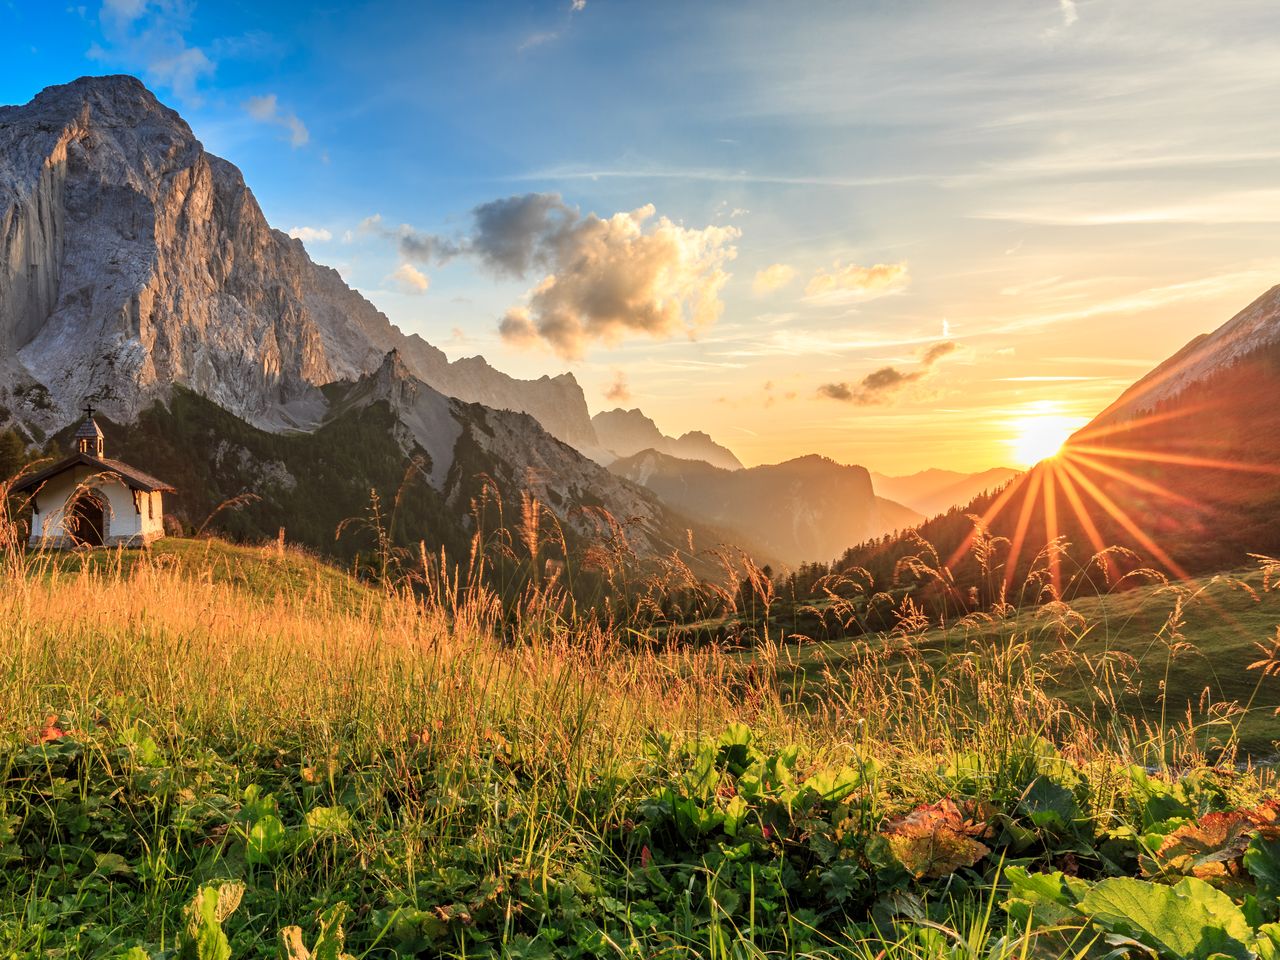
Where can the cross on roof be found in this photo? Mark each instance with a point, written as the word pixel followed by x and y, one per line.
pixel 88 409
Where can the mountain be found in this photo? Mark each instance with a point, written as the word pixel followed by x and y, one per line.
pixel 1253 329
pixel 1182 471
pixel 806 509
pixel 432 460
pixel 136 269
pixel 931 492
pixel 131 260
pixel 625 433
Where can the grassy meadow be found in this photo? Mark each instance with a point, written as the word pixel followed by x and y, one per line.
pixel 215 751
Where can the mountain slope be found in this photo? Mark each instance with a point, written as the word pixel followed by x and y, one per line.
pixel 132 260
pixel 931 492
pixel 802 510
pixel 1183 470
pixel 625 433
pixel 428 456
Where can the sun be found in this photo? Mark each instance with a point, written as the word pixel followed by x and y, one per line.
pixel 1040 437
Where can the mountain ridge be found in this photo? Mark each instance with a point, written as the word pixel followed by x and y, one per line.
pixel 624 433
pixel 131 259
pixel 815 503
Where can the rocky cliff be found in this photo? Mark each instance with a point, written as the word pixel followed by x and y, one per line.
pixel 132 260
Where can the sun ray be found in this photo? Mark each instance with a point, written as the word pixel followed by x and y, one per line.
pixel 1051 527
pixel 988 517
pixel 1139 483
pixel 1122 518
pixel 1178 459
pixel 1086 521
pixel 1097 433
pixel 1024 521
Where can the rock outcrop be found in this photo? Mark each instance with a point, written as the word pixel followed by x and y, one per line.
pixel 131 260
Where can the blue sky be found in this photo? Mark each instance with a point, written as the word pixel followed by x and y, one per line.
pixel 1065 191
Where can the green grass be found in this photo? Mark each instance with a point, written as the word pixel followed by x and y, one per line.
pixel 203 724
pixel 1164 649
pixel 263 572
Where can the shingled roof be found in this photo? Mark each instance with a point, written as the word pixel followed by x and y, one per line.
pixel 132 477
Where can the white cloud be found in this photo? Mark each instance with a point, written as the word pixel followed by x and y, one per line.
pixel 409 279
pixel 149 36
pixel 577 6
pixel 266 109
pixel 609 278
pixel 310 234
pixel 771 278
pixel 847 282
pixel 1069 12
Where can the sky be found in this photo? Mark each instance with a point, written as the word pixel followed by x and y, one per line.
pixel 899 234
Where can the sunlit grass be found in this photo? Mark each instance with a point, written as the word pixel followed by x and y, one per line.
pixel 500 762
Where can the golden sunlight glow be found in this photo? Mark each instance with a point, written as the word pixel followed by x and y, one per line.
pixel 1040 436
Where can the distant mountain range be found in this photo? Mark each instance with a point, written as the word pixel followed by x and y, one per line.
pixel 1183 470
pixel 931 492
pixel 806 509
pixel 624 433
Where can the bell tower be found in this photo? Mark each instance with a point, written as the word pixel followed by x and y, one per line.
pixel 88 438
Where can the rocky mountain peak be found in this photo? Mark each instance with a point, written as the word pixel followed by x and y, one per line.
pixel 132 260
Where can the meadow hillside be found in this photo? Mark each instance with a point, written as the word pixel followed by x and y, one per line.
pixel 219 751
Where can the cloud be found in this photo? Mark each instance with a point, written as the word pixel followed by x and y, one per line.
pixel 618 391
pixel 537 40
pixel 880 385
pixel 310 234
pixel 266 109
pixel 772 278
pixel 610 278
pixel 409 279
pixel 577 6
pixel 149 36
pixel 424 248
pixel 937 351
pixel 1069 12
pixel 602 279
pixel 853 281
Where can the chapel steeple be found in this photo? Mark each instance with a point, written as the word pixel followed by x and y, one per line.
pixel 88 438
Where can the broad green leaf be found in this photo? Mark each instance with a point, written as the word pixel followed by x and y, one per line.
pixel 1262 860
pixel 266 840
pixel 334 821
pixel 1189 921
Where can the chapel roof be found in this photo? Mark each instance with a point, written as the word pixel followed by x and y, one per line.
pixel 132 477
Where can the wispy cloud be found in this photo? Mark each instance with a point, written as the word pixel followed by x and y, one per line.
pixel 409 279
pixel 311 234
pixel 618 391
pixel 772 278
pixel 266 109
pixel 150 36
pixel 845 282
pixel 880 385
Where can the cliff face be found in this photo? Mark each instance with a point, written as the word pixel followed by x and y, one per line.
pixel 131 259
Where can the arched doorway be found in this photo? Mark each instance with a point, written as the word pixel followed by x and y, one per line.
pixel 87 522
